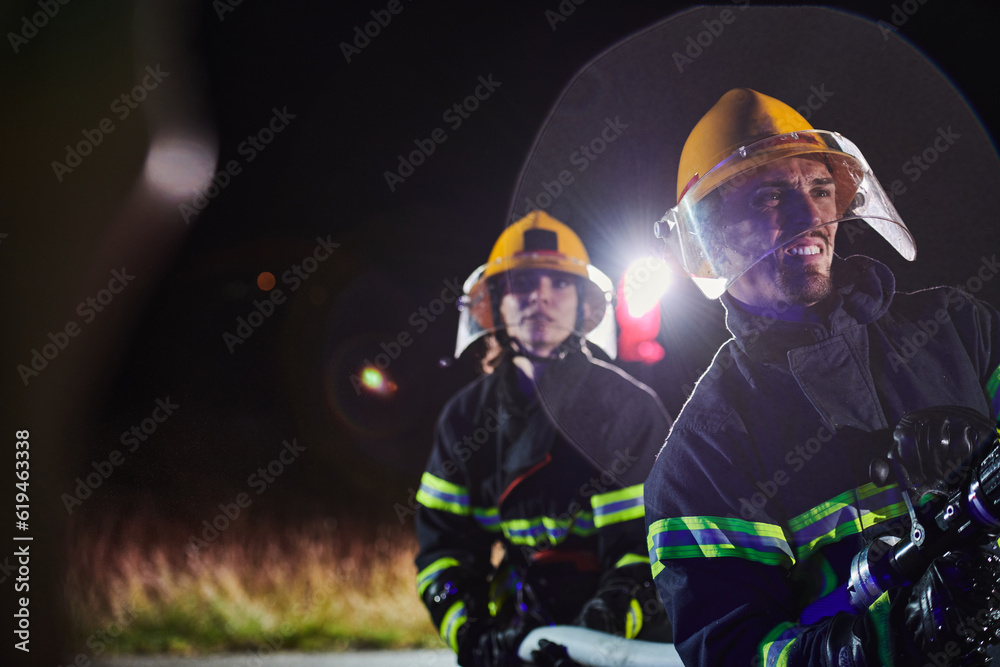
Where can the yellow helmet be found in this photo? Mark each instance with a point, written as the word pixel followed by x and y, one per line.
pixel 744 130
pixel 537 241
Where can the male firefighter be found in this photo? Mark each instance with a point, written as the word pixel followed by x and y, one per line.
pixel 763 493
pixel 546 454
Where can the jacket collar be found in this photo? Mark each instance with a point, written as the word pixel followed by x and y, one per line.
pixel 863 289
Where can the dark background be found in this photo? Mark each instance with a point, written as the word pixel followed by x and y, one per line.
pixel 322 176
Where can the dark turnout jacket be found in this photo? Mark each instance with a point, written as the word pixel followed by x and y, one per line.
pixel 762 495
pixel 554 472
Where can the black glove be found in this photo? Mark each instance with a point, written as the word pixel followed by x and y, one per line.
pixel 625 602
pixel 482 643
pixel 931 448
pixel 550 654
pixel 607 611
pixel 952 610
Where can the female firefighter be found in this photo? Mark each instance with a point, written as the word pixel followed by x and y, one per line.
pixel 546 453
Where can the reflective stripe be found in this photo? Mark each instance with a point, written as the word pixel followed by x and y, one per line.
pixel 633 620
pixel 847 514
pixel 879 611
pixel 711 536
pixel 547 530
pixel 452 621
pixel 428 574
pixel 991 391
pixel 777 644
pixel 617 506
pixel 488 518
pixel 632 559
pixel 438 494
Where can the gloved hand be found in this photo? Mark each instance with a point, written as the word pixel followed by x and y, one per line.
pixel 550 654
pixel 952 610
pixel 483 643
pixel 931 448
pixel 608 611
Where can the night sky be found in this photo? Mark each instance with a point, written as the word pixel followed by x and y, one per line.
pixel 308 113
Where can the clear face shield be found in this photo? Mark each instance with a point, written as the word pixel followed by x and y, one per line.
pixel 477 312
pixel 773 196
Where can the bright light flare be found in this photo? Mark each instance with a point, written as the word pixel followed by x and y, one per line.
pixel 646 281
pixel 178 167
pixel 375 382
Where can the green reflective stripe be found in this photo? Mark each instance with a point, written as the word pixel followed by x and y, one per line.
pixel 991 390
pixel 618 506
pixel 442 485
pixel 546 529
pixel 633 620
pixel 426 575
pixel 452 621
pixel 632 559
pixel 776 645
pixel 438 494
pixel 488 518
pixel 830 578
pixel 702 536
pixel 846 514
pixel 879 611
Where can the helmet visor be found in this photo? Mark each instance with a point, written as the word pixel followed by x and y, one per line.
pixel 767 196
pixel 477 313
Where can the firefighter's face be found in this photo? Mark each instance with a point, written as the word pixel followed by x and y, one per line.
pixel 790 198
pixel 539 308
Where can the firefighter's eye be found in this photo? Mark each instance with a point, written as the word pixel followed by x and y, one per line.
pixel 768 198
pixel 561 283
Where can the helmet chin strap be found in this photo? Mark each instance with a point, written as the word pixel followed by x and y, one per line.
pixel 571 344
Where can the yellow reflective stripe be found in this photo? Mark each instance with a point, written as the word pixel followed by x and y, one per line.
pixel 773 651
pixel 617 506
pixel 859 514
pixel 709 537
pixel 879 611
pixel 632 559
pixel 633 620
pixel 546 529
pixel 436 493
pixel 426 575
pixel 452 621
pixel 443 485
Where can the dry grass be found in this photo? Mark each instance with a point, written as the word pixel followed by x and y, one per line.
pixel 136 587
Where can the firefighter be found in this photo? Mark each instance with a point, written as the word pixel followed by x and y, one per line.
pixel 763 493
pixel 545 454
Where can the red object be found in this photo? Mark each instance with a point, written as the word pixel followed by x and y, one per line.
pixel 637 335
